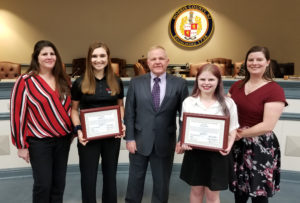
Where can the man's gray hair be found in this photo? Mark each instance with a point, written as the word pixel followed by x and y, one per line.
pixel 157 47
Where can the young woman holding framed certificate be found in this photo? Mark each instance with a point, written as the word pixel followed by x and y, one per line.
pixel 98 87
pixel 205 170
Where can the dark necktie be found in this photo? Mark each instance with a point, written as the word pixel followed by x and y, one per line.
pixel 156 93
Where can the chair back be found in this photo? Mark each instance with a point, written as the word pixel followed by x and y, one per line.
pixel 9 70
pixel 116 68
pixel 194 68
pixel 121 66
pixel 143 62
pixel 78 66
pixel 227 64
pixel 139 69
pixel 237 69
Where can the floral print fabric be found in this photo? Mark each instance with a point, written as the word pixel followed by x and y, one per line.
pixel 256 165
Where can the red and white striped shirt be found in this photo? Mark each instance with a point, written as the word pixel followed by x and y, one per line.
pixel 37 111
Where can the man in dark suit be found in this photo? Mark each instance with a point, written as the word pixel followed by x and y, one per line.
pixel 152 103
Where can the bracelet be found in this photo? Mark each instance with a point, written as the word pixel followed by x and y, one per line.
pixel 76 128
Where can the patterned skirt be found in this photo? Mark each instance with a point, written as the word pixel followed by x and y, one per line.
pixel 256 169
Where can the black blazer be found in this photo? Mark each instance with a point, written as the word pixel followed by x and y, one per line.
pixel 146 126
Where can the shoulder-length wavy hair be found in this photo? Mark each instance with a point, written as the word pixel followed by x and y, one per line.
pixel 268 74
pixel 219 91
pixel 88 85
pixel 62 80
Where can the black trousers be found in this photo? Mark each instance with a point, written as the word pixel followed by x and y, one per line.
pixel 49 158
pixel 161 168
pixel 89 156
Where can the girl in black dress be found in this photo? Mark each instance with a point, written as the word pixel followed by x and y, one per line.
pixel 208 171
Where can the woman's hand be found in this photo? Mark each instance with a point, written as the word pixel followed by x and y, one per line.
pixel 231 138
pixel 225 151
pixel 82 140
pixel 238 134
pixel 272 112
pixel 178 148
pixel 123 132
pixel 186 147
pixel 181 148
pixel 24 154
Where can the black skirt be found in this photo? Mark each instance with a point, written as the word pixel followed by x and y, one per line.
pixel 206 168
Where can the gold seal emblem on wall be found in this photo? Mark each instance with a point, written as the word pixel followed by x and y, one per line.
pixel 191 26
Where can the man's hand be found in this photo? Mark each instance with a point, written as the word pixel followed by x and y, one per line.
pixel 131 146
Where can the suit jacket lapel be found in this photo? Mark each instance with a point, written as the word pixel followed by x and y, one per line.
pixel 147 88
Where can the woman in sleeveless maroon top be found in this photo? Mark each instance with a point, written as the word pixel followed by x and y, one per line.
pixel 260 102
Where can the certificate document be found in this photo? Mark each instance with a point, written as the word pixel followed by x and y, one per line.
pixel 205 131
pixel 101 122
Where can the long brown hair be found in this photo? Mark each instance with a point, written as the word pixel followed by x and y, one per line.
pixel 62 80
pixel 88 85
pixel 219 91
pixel 268 74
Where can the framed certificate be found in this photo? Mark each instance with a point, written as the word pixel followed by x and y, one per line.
pixel 102 122
pixel 202 131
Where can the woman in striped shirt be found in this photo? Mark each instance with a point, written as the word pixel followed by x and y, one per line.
pixel 40 121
